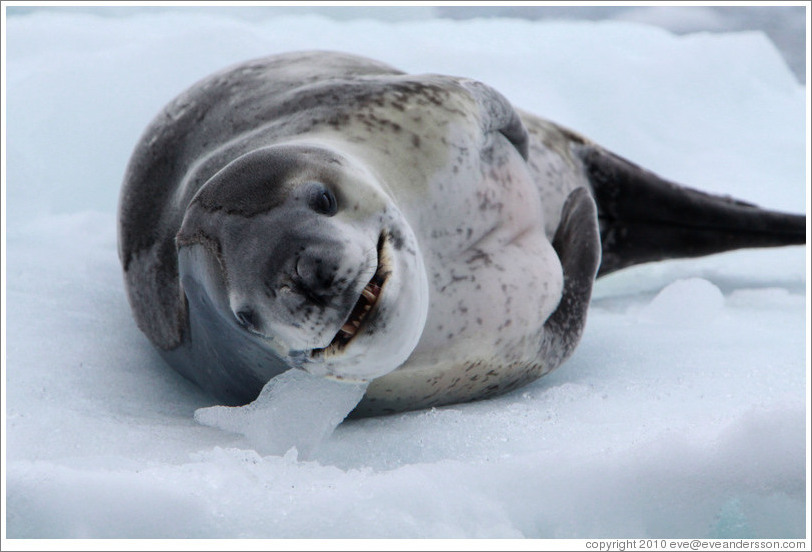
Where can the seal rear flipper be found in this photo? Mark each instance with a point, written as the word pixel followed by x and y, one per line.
pixel 646 218
pixel 577 243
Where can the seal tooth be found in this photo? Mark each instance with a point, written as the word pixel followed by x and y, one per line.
pixel 368 294
pixel 349 329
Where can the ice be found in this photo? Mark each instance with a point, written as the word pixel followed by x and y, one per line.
pixel 689 423
pixel 685 303
pixel 294 410
pixel 677 19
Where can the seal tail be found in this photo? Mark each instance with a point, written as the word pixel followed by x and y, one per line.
pixel 645 218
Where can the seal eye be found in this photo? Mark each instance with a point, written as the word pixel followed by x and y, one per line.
pixel 322 200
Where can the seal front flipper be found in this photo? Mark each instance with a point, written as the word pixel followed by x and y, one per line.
pixel 646 218
pixel 577 244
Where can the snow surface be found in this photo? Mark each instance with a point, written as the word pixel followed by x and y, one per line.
pixel 682 413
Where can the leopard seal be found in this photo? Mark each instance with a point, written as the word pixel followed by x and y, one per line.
pixel 330 213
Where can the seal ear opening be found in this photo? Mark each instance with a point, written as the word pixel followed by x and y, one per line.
pixel 577 243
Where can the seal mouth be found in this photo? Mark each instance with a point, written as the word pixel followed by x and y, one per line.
pixel 367 301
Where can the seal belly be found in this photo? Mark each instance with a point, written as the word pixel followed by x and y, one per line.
pixel 442 382
pixel 474 367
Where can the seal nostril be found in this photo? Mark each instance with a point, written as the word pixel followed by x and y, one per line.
pixel 313 273
pixel 247 318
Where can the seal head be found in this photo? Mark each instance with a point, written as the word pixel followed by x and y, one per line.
pixel 298 247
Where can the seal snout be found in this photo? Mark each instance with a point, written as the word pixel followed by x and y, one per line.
pixel 310 278
pixel 320 288
pixel 366 302
pixel 315 275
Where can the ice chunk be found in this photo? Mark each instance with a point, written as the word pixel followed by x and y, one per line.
pixel 294 409
pixel 685 303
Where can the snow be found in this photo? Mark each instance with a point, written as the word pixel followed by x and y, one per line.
pixel 682 413
pixel 685 303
